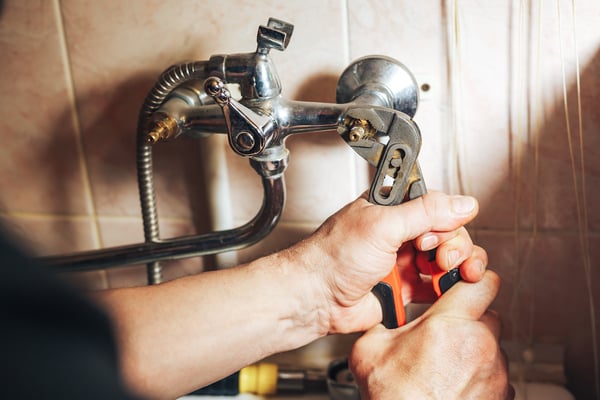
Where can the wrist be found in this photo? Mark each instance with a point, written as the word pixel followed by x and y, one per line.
pixel 306 266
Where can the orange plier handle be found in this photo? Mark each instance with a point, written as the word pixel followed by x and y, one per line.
pixel 389 291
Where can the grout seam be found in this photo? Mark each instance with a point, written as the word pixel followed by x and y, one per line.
pixel 357 167
pixel 78 217
pixel 300 224
pixel 70 88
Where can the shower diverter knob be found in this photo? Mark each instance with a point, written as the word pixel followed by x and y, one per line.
pixel 249 133
pixel 276 35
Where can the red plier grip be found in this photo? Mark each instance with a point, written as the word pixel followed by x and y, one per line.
pixel 389 292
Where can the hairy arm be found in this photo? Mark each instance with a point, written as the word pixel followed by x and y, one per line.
pixel 181 335
pixel 184 334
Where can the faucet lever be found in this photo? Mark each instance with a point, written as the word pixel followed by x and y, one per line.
pixel 276 35
pixel 248 132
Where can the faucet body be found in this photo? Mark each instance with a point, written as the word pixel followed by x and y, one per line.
pixel 195 99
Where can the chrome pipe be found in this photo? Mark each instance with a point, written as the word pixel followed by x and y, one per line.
pixel 290 117
pixel 183 102
pixel 188 246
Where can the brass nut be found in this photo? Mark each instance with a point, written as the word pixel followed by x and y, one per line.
pixel 161 127
pixel 359 129
pixel 356 133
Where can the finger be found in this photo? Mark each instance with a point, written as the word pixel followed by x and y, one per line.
pixel 453 252
pixel 431 240
pixel 492 320
pixel 454 247
pixel 473 268
pixel 468 300
pixel 434 211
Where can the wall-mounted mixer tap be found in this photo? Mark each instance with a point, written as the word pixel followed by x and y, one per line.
pixel 376 100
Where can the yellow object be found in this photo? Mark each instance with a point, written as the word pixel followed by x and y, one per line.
pixel 259 379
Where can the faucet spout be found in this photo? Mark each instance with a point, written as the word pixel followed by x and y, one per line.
pixel 194 99
pixel 189 246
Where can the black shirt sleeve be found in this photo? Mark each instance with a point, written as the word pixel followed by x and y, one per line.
pixel 54 343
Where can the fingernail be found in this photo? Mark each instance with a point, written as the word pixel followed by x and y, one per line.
pixel 478 264
pixel 452 257
pixel 429 242
pixel 463 204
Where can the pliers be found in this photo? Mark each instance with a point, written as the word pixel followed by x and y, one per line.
pixel 390 141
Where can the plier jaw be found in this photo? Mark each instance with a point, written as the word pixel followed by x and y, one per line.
pixel 390 141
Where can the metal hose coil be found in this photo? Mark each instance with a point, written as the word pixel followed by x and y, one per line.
pixel 169 80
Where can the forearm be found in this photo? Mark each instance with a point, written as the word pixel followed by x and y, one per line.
pixel 183 334
pixel 180 335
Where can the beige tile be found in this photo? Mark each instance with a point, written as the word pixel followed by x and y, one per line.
pixel 136 275
pixel 38 159
pixel 321 169
pixel 245 187
pixel 390 28
pixel 87 280
pixel 545 296
pixel 316 55
pixel 321 177
pixel 404 30
pixel 487 146
pixel 44 235
pixel 122 231
pixel 120 56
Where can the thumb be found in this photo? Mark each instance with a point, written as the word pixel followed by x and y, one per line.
pixel 434 211
pixel 468 300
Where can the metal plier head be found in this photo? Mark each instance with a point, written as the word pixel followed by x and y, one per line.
pixel 390 141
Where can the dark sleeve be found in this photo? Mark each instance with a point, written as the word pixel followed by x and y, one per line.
pixel 54 344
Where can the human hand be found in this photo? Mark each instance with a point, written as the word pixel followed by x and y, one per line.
pixel 359 245
pixel 450 352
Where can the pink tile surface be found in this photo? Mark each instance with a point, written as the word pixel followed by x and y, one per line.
pixel 87 280
pixel 410 32
pixel 544 297
pixel 321 177
pixel 117 50
pixel 135 275
pixel 119 57
pixel 122 231
pixel 38 158
pixel 51 235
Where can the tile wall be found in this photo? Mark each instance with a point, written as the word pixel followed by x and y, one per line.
pixel 74 74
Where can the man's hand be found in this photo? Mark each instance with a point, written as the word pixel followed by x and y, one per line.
pixel 450 352
pixel 359 245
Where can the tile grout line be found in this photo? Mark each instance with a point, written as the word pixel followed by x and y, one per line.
pixel 79 217
pixel 292 223
pixel 69 83
pixel 354 161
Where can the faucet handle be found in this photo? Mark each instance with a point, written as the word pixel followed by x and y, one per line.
pixel 276 35
pixel 249 133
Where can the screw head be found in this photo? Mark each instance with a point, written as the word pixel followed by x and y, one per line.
pixel 213 86
pixel 245 141
pixel 356 133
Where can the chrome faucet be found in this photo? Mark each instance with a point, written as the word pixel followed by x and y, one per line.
pixel 376 100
